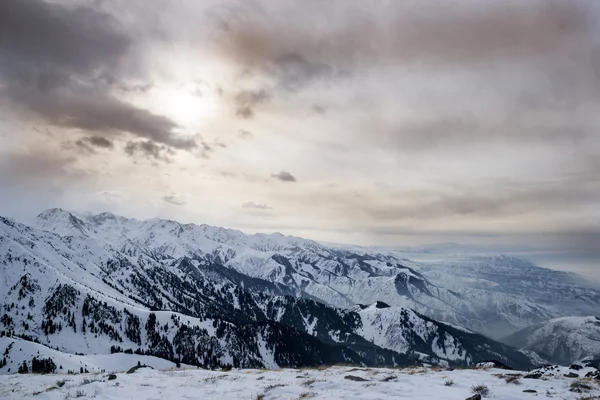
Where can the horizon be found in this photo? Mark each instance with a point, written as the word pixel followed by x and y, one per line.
pixel 379 124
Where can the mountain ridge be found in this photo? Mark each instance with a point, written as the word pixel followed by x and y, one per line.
pixel 562 340
pixel 111 288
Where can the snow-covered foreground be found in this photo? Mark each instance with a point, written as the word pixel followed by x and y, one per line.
pixel 330 383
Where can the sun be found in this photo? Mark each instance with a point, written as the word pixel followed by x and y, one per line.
pixel 186 105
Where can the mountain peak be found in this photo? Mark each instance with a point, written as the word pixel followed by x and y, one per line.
pixel 61 222
pixel 51 213
pixel 105 217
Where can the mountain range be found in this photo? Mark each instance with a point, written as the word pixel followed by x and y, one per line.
pixel 212 296
pixel 561 340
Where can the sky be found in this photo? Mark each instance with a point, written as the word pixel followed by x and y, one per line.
pixel 353 121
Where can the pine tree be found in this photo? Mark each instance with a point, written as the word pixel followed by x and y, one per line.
pixel 23 369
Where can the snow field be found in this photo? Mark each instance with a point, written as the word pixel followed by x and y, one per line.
pixel 325 384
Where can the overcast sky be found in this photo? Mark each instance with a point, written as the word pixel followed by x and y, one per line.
pixel 366 122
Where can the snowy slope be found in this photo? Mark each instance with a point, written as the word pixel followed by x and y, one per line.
pixel 515 292
pixel 324 384
pixel 17 351
pixel 561 340
pixel 87 294
pixel 55 291
pixel 405 331
pixel 494 295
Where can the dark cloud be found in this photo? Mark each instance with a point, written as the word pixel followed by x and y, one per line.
pixel 247 100
pixel 253 205
pixel 174 199
pixel 100 141
pixel 85 108
pixel 39 35
pixel 53 59
pixel 284 176
pixel 88 143
pixel 129 87
pixel 295 71
pixel 150 150
pixel 347 33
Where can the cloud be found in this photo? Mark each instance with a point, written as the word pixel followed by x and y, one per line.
pixel 54 57
pixel 89 143
pixel 39 35
pixel 247 100
pixel 150 150
pixel 252 205
pixel 512 73
pixel 488 205
pixel 174 199
pixel 318 109
pixel 245 134
pixel 100 141
pixel 284 176
pixel 35 166
pixel 295 71
pixel 89 109
pixel 461 128
pixel 348 33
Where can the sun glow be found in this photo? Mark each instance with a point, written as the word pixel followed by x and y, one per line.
pixel 187 105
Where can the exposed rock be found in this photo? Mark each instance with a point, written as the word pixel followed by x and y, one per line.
pixel 475 397
pixel 133 369
pixel 580 387
pixel 355 378
pixel 112 377
pixel 593 374
pixel 571 375
pixel 536 375
pixel 592 362
pixel 529 391
pixel 576 367
pixel 493 364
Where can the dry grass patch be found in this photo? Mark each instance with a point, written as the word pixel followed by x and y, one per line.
pixel 274 386
pixel 214 378
pixel 483 390
pixel 310 381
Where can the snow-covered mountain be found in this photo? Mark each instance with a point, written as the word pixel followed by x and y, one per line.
pixel 561 340
pixel 508 292
pixel 494 295
pixel 405 331
pixel 101 283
